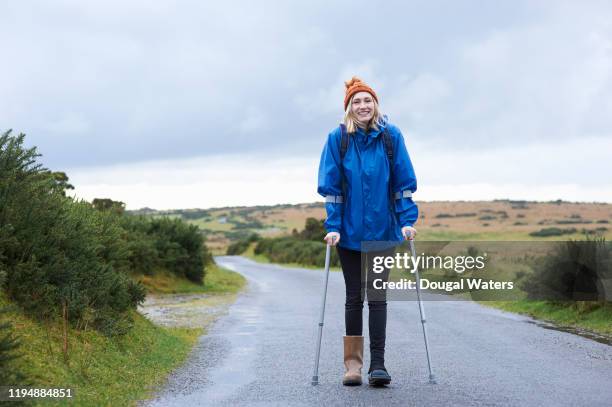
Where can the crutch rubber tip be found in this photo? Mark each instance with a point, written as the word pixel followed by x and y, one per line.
pixel 432 380
pixel 315 380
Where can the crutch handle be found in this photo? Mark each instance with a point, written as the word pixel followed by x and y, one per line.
pixel 406 237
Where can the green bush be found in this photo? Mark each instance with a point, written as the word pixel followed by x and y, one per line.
pixel 546 232
pixel 294 250
pixel 575 270
pixel 237 248
pixel 57 252
pixel 305 247
pixel 241 246
pixel 181 248
pixel 163 243
pixel 143 255
pixel 314 229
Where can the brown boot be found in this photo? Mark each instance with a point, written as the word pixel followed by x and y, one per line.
pixel 353 360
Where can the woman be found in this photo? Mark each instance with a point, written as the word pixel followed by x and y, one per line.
pixel 367 180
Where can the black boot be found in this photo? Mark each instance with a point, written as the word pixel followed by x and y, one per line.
pixel 377 374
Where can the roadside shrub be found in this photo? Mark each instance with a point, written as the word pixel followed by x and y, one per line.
pixel 546 232
pixel 237 248
pixel 241 246
pixel 180 247
pixel 57 252
pixel 314 229
pixel 594 231
pixel 143 255
pixel 293 250
pixel 575 270
pixel 60 254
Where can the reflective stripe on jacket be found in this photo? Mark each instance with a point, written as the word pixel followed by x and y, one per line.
pixel 364 214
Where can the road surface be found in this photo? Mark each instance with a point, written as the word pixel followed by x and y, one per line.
pixel 261 353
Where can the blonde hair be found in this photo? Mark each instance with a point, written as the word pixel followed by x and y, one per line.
pixel 350 121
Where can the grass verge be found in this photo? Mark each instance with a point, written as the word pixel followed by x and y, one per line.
pixel 103 371
pixel 216 280
pixel 260 258
pixel 594 318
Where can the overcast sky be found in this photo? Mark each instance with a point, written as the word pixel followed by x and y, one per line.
pixel 176 104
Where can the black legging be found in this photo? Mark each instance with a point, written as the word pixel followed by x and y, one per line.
pixel 357 271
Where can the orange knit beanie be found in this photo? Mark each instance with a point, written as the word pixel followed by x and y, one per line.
pixel 356 85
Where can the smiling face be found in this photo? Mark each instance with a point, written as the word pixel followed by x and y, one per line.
pixel 362 107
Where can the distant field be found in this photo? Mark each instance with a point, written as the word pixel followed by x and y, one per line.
pixel 442 220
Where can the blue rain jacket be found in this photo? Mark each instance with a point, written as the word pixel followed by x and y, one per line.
pixel 365 214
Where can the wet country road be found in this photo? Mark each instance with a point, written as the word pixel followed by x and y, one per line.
pixel 261 353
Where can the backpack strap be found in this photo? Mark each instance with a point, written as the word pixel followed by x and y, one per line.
pixel 388 143
pixel 344 140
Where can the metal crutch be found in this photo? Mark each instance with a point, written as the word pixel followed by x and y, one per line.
pixel 432 378
pixel 315 375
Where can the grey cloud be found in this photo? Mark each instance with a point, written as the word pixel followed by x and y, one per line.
pixel 96 83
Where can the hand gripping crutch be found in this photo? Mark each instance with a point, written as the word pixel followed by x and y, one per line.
pixel 432 378
pixel 315 375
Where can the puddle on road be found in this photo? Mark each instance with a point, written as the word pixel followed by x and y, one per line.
pixel 607 340
pixel 185 310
